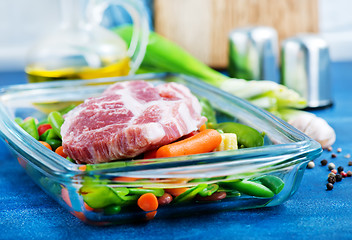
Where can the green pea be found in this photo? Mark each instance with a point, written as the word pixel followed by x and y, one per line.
pixel 112 209
pixel 189 194
pixel 246 136
pixel 30 127
pixel 56 120
pixel 251 188
pixel 100 196
pixel 209 190
pixel 275 184
pixel 54 143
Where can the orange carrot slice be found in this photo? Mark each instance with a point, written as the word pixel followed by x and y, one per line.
pixel 46 145
pixel 60 151
pixel 205 141
pixel 148 202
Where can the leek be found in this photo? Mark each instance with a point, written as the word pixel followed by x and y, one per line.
pixel 162 55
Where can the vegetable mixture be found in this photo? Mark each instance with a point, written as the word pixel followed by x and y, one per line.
pixel 100 197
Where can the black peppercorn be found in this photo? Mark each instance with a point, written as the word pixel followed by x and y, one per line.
pixel 333 155
pixel 340 169
pixel 331 179
pixel 329 186
pixel 338 178
pixel 324 162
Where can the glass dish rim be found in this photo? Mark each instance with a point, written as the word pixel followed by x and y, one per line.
pixel 52 163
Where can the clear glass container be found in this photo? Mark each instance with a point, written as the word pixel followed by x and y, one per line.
pixel 284 157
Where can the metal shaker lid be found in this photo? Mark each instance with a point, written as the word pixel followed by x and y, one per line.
pixel 253 53
pixel 305 68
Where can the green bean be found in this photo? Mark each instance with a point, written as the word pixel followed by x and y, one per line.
pixel 56 120
pixel 275 184
pixel 207 111
pixel 189 194
pixel 140 191
pixel 18 120
pixel 121 191
pixel 67 109
pixel 209 190
pixel 246 136
pixel 100 196
pixel 251 188
pixel 30 127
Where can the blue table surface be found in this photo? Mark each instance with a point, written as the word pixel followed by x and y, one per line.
pixel 26 212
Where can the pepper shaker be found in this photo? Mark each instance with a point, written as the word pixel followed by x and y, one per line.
pixel 305 68
pixel 253 53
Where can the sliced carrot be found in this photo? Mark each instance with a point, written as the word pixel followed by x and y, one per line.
pixel 60 151
pixel 82 168
pixel 150 215
pixel 46 145
pixel 203 127
pixel 125 179
pixel 65 196
pixel 148 202
pixel 176 191
pixel 205 141
pixel 86 206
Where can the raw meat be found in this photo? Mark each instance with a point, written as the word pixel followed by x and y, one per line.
pixel 128 119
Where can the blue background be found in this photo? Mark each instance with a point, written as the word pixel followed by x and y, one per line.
pixel 26 212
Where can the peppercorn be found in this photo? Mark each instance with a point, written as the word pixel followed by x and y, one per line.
pixel 311 165
pixel 350 163
pixel 332 179
pixel 331 174
pixel 347 155
pixel 340 169
pixel 334 171
pixel 330 149
pixel 349 174
pixel 331 166
pixel 329 186
pixel 339 150
pixel 333 155
pixel 324 162
pixel 343 174
pixel 338 177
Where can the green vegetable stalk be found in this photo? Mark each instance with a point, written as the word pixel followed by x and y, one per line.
pixel 163 55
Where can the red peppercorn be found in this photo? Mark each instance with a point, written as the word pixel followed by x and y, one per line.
pixel 343 174
pixel 334 171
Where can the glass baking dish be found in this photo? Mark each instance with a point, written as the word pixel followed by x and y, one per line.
pixel 107 193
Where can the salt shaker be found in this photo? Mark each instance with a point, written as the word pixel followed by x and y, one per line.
pixel 305 68
pixel 253 53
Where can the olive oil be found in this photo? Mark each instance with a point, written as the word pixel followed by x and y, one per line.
pixel 121 68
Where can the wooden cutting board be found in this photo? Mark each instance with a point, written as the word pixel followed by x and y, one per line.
pixel 202 26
